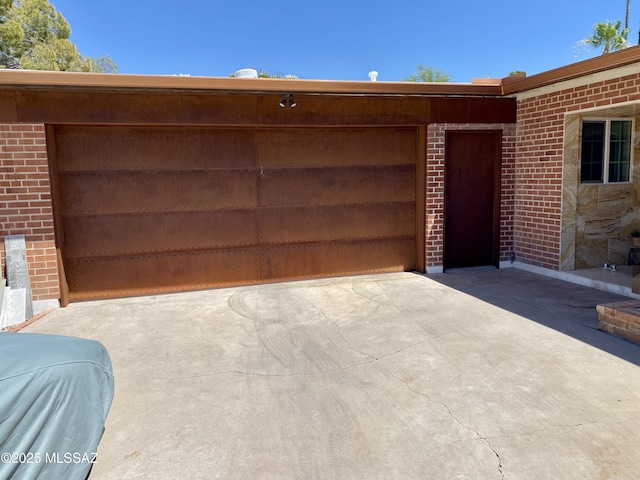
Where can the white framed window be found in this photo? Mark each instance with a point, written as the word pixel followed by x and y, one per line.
pixel 607 150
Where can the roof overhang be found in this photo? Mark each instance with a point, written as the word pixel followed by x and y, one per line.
pixel 485 87
pixel 585 68
pixel 29 79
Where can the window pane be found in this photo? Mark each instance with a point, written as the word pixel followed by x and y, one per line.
pixel 592 160
pixel 620 151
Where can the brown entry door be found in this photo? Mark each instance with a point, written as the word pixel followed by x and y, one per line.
pixel 472 198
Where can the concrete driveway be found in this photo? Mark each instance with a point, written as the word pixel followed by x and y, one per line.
pixel 492 374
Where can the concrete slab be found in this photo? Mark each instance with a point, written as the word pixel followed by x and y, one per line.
pixel 486 374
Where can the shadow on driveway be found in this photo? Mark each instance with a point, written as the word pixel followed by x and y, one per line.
pixel 562 306
pixel 486 374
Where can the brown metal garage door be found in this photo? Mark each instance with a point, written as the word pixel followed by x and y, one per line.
pixel 143 210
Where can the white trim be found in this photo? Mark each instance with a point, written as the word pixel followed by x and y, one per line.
pixel 607 147
pixel 632 69
pixel 435 269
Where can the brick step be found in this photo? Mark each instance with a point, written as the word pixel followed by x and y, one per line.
pixel 621 319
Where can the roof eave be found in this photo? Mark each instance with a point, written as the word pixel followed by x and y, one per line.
pixel 517 84
pixel 23 79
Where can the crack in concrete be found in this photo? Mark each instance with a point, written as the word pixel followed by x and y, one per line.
pixel 338 329
pixel 237 304
pixel 548 427
pixel 256 374
pixel 343 338
pixel 496 454
pixel 450 412
pixel 371 359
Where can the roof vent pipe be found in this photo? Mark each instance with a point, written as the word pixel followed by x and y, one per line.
pixel 373 76
pixel 247 73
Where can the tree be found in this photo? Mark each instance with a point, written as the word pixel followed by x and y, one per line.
pixel 4 6
pixel 265 74
pixel 101 64
pixel 626 18
pixel 609 36
pixel 428 74
pixel 34 35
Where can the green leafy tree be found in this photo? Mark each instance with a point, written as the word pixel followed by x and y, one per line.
pixel 610 36
pixel 4 6
pixel 428 74
pixel 34 35
pixel 102 64
pixel 264 74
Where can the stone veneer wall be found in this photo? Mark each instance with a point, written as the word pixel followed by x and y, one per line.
pixel 546 226
pixel 25 203
pixel 435 185
pixel 599 218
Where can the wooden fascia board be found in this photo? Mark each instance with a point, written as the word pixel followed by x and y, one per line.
pixel 610 61
pixel 26 79
pixel 20 79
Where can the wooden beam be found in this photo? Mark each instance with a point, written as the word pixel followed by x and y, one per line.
pixel 517 83
pixel 21 79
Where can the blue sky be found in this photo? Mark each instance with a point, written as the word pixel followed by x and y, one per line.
pixel 340 39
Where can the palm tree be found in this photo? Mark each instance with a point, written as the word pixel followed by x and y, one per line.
pixel 626 18
pixel 609 36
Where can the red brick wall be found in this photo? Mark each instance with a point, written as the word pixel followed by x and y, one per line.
pixel 435 171
pixel 25 198
pixel 25 203
pixel 531 182
pixel 539 157
pixel 434 226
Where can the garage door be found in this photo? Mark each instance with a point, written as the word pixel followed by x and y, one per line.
pixel 145 210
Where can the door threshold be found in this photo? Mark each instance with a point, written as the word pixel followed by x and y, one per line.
pixel 470 269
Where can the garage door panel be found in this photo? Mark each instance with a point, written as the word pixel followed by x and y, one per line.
pixel 332 186
pixel 144 148
pixel 108 235
pixel 136 275
pixel 156 191
pixel 157 209
pixel 336 147
pixel 338 258
pixel 284 225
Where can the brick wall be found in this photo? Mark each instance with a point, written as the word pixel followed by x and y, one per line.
pixel 539 162
pixel 434 226
pixel 25 203
pixel 435 158
pixel 25 197
pixel 531 208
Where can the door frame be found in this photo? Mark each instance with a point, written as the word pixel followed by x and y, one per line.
pixel 497 191
pixel 421 199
